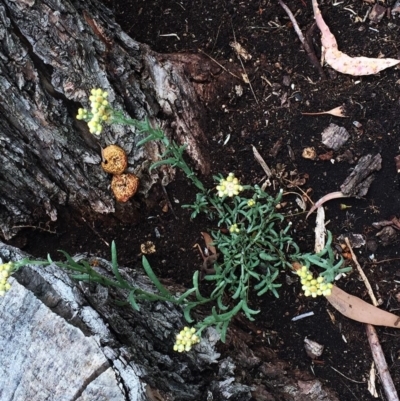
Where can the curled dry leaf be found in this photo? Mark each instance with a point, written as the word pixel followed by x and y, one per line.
pixel 356 309
pixel 342 62
pixel 209 243
pixel 332 195
pixel 337 112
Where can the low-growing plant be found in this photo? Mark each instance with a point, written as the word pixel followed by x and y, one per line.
pixel 253 243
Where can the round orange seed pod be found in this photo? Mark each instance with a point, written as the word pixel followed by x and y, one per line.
pixel 115 160
pixel 124 186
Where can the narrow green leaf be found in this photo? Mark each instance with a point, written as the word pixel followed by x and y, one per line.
pixel 186 312
pixel 81 277
pixel 185 295
pixel 221 305
pixel 170 160
pixel 154 279
pixel 196 286
pixel 224 330
pixel 114 265
pixel 71 264
pixel 248 311
pixel 132 301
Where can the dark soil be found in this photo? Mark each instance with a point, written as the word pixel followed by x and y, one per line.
pixel 285 84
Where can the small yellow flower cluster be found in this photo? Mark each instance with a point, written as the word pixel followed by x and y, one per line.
pixel 234 228
pixel 100 111
pixel 251 203
pixel 311 286
pixel 82 114
pixel 5 272
pixel 229 186
pixel 185 339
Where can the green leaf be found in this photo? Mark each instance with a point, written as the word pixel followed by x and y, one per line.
pixel 268 257
pixel 196 286
pixel 114 265
pixel 154 279
pixel 224 330
pixel 221 306
pixel 238 290
pixel 186 312
pixel 71 264
pixel 145 140
pixel 81 277
pixel 185 295
pixel 170 160
pixel 132 300
pixel 248 311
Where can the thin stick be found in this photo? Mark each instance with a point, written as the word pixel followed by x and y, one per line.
pixel 381 365
pixel 168 201
pixel 244 69
pixel 307 47
pixel 377 352
pixel 346 377
pixel 101 238
pixel 48 230
pixel 262 162
pixel 216 62
pixel 362 274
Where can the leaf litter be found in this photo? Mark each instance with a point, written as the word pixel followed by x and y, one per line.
pixel 340 61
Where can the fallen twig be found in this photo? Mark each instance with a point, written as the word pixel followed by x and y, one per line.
pixel 95 231
pixel 377 353
pixel 306 44
pixel 362 274
pixel 220 65
pixel 244 69
pixel 262 162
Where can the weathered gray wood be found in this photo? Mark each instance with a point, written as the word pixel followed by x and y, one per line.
pixel 360 179
pixel 66 342
pixel 52 52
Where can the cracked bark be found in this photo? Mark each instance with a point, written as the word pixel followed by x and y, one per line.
pixel 51 54
pixel 69 341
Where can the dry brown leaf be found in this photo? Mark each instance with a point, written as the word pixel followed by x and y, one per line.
pixel 208 240
pixel 240 50
pixel 337 111
pixel 361 311
pixel 342 62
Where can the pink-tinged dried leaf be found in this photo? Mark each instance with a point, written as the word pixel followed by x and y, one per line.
pixel 356 309
pixel 342 62
pixel 337 112
pixel 332 195
pixel 208 240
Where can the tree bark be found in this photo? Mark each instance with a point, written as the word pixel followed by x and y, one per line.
pixel 64 341
pixel 52 52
